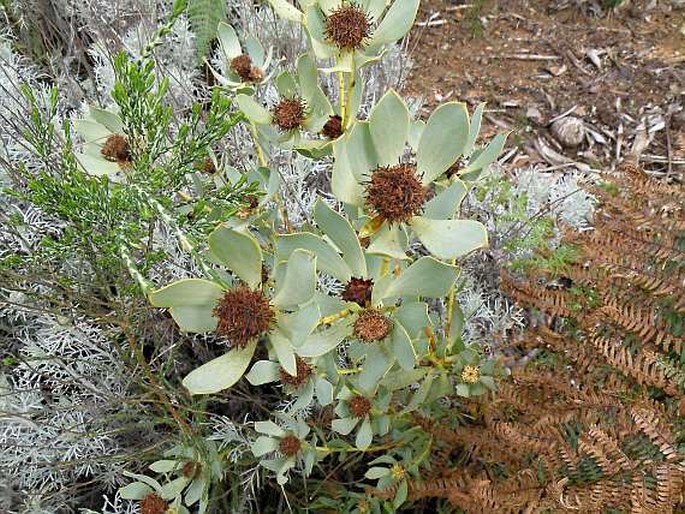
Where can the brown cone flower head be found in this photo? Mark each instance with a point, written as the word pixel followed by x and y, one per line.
pixel 191 469
pixel 359 406
pixel 116 148
pixel 395 192
pixel 242 66
pixel 372 325
pixel 333 128
pixel 153 504
pixel 289 114
pixel 348 27
pixel 208 166
pixel 243 315
pixel 304 371
pixel 290 446
pixel 358 290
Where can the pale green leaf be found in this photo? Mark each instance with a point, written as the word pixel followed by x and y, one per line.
pixel 91 131
pixel 402 347
pixel 401 494
pixel 323 341
pixel 286 10
pixel 415 130
pixel 264 445
pixel 324 391
pixel 487 156
pixel 376 472
pixel 463 390
pixel 172 489
pixel 188 291
pixel 328 260
pixel 389 128
pixel 284 351
pixel 108 119
pixel 420 395
pixel 286 85
pixel 194 492
pixel 228 39
pixel 220 373
pixel 299 283
pixel 344 184
pixel 379 360
pixel 445 204
pixel 165 466
pixel 400 379
pixel 263 372
pixel 396 22
pixel 339 230
pixel 425 277
pixel 268 427
pixel 135 491
pixel 414 317
pixel 449 239
pixel 98 166
pixel 255 50
pixel 297 325
pixel 364 435
pixel 391 241
pixel 145 479
pixel 344 426
pixel 239 252
pixel 476 120
pixel 443 140
pixel 194 318
pixel 253 110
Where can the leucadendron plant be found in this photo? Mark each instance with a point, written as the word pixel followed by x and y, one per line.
pixel 356 310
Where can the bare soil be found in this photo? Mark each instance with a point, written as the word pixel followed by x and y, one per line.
pixel 620 71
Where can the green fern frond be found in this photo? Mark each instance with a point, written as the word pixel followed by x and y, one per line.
pixel 204 17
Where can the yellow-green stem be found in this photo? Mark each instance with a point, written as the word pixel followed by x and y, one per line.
pixel 450 305
pixel 335 317
pixel 341 96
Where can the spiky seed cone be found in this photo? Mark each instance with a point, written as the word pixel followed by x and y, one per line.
pixel 359 406
pixel 395 192
pixel 304 371
pixel 191 469
pixel 242 66
pixel 290 445
pixel 208 166
pixel 116 148
pixel 333 128
pixel 153 504
pixel 289 114
pixel 348 27
pixel 243 315
pixel 470 374
pixel 372 325
pixel 358 290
